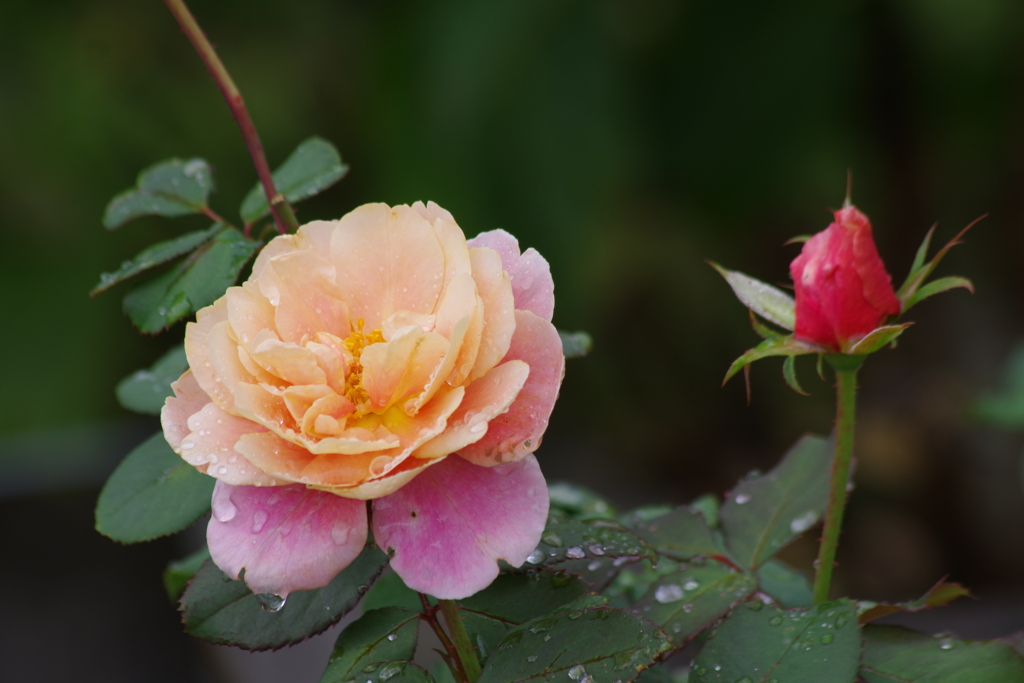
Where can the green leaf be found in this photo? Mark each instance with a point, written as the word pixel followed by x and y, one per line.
pixel 771 303
pixel 894 653
pixel 788 586
pixel 681 535
pixel 775 346
pixel 575 344
pixel 597 645
pixel 876 339
pixel 789 374
pixel 390 591
pixel 379 636
pixel 153 256
pixel 805 645
pixel 196 282
pixel 144 391
pixel 171 188
pixel 393 672
pixel 152 493
pixel 180 572
pixel 934 287
pixel 708 506
pixel 314 166
pixel 579 502
pixel 938 595
pixel 920 271
pixel 222 610
pixel 691 599
pixel 762 515
pixel 568 540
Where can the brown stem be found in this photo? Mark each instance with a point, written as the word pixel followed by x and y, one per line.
pixel 284 217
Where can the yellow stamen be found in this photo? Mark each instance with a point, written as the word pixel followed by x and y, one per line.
pixel 355 343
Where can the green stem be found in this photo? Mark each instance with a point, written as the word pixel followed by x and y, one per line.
pixel 284 217
pixel 846 404
pixel 460 639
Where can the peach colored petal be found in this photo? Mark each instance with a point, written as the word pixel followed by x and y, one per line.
pixel 398 477
pixel 485 399
pixel 307 299
pixel 258 373
pixel 258 403
pixel 499 305
pixel 441 371
pixel 326 416
pixel 401 319
pixel 188 399
pixel 275 455
pixel 290 362
pixel 331 360
pixel 282 244
pixel 395 369
pixel 354 441
pixel 532 285
pixel 249 313
pixel 387 260
pixel 460 303
pixel 449 236
pixel 197 349
pixel 518 432
pixel 286 538
pixel 338 470
pixel 299 399
pixel 210 448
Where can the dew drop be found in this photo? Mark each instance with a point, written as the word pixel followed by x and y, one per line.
pixel 536 557
pixel 575 552
pixel 775 621
pixel 827 638
pixel 803 522
pixel 690 585
pixel 577 672
pixel 742 498
pixel 946 644
pixel 669 592
pixel 392 637
pixel 259 518
pixel 596 550
pixel 552 539
pixel 270 602
pixel 223 509
pixel 593 566
pixel 532 658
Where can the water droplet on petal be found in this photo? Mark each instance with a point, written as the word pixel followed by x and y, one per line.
pixel 259 518
pixel 223 509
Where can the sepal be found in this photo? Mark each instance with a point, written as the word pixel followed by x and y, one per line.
pixel 875 339
pixel 914 289
pixel 777 346
pixel 769 302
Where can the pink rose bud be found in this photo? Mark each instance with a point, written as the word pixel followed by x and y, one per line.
pixel 843 291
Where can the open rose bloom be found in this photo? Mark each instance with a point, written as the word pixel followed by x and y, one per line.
pixel 383 358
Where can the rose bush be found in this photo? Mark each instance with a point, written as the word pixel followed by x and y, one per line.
pixel 843 291
pixel 377 357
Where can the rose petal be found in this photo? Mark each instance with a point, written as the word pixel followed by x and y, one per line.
pixel 210 448
pixel 450 237
pixel 308 300
pixel 499 305
pixel 199 349
pixel 188 399
pixel 405 365
pixel 286 538
pixel 485 399
pixel 249 313
pixel 448 527
pixel 387 260
pixel 518 432
pixel 532 285
pixel 290 362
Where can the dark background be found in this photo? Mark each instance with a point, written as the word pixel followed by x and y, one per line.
pixel 628 141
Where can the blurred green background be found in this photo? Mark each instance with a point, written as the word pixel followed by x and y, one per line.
pixel 627 140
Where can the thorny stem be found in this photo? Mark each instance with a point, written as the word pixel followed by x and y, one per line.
pixel 460 638
pixel 430 616
pixel 846 402
pixel 284 217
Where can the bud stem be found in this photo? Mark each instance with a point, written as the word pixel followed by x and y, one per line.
pixel 284 218
pixel 460 639
pixel 846 403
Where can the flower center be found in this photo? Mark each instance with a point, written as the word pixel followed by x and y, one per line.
pixel 355 343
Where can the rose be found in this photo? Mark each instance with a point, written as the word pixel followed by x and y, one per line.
pixel 378 357
pixel 843 291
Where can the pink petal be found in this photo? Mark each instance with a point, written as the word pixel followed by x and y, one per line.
pixel 532 285
pixel 519 431
pixel 286 538
pixel 448 527
pixel 188 400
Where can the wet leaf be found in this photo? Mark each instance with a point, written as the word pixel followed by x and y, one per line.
pixel 180 572
pixel 769 302
pixel 153 256
pixel 152 493
pixel 938 595
pixel 681 535
pixel 393 672
pixel 688 601
pixel 762 515
pixel 788 586
pixel 894 653
pixel 579 502
pixel 144 391
pixel 517 598
pixel 570 540
pixel 171 188
pixel 804 645
pixel 222 610
pixel 314 166
pixel 197 281
pixel 575 344
pixel 595 645
pixel 379 636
